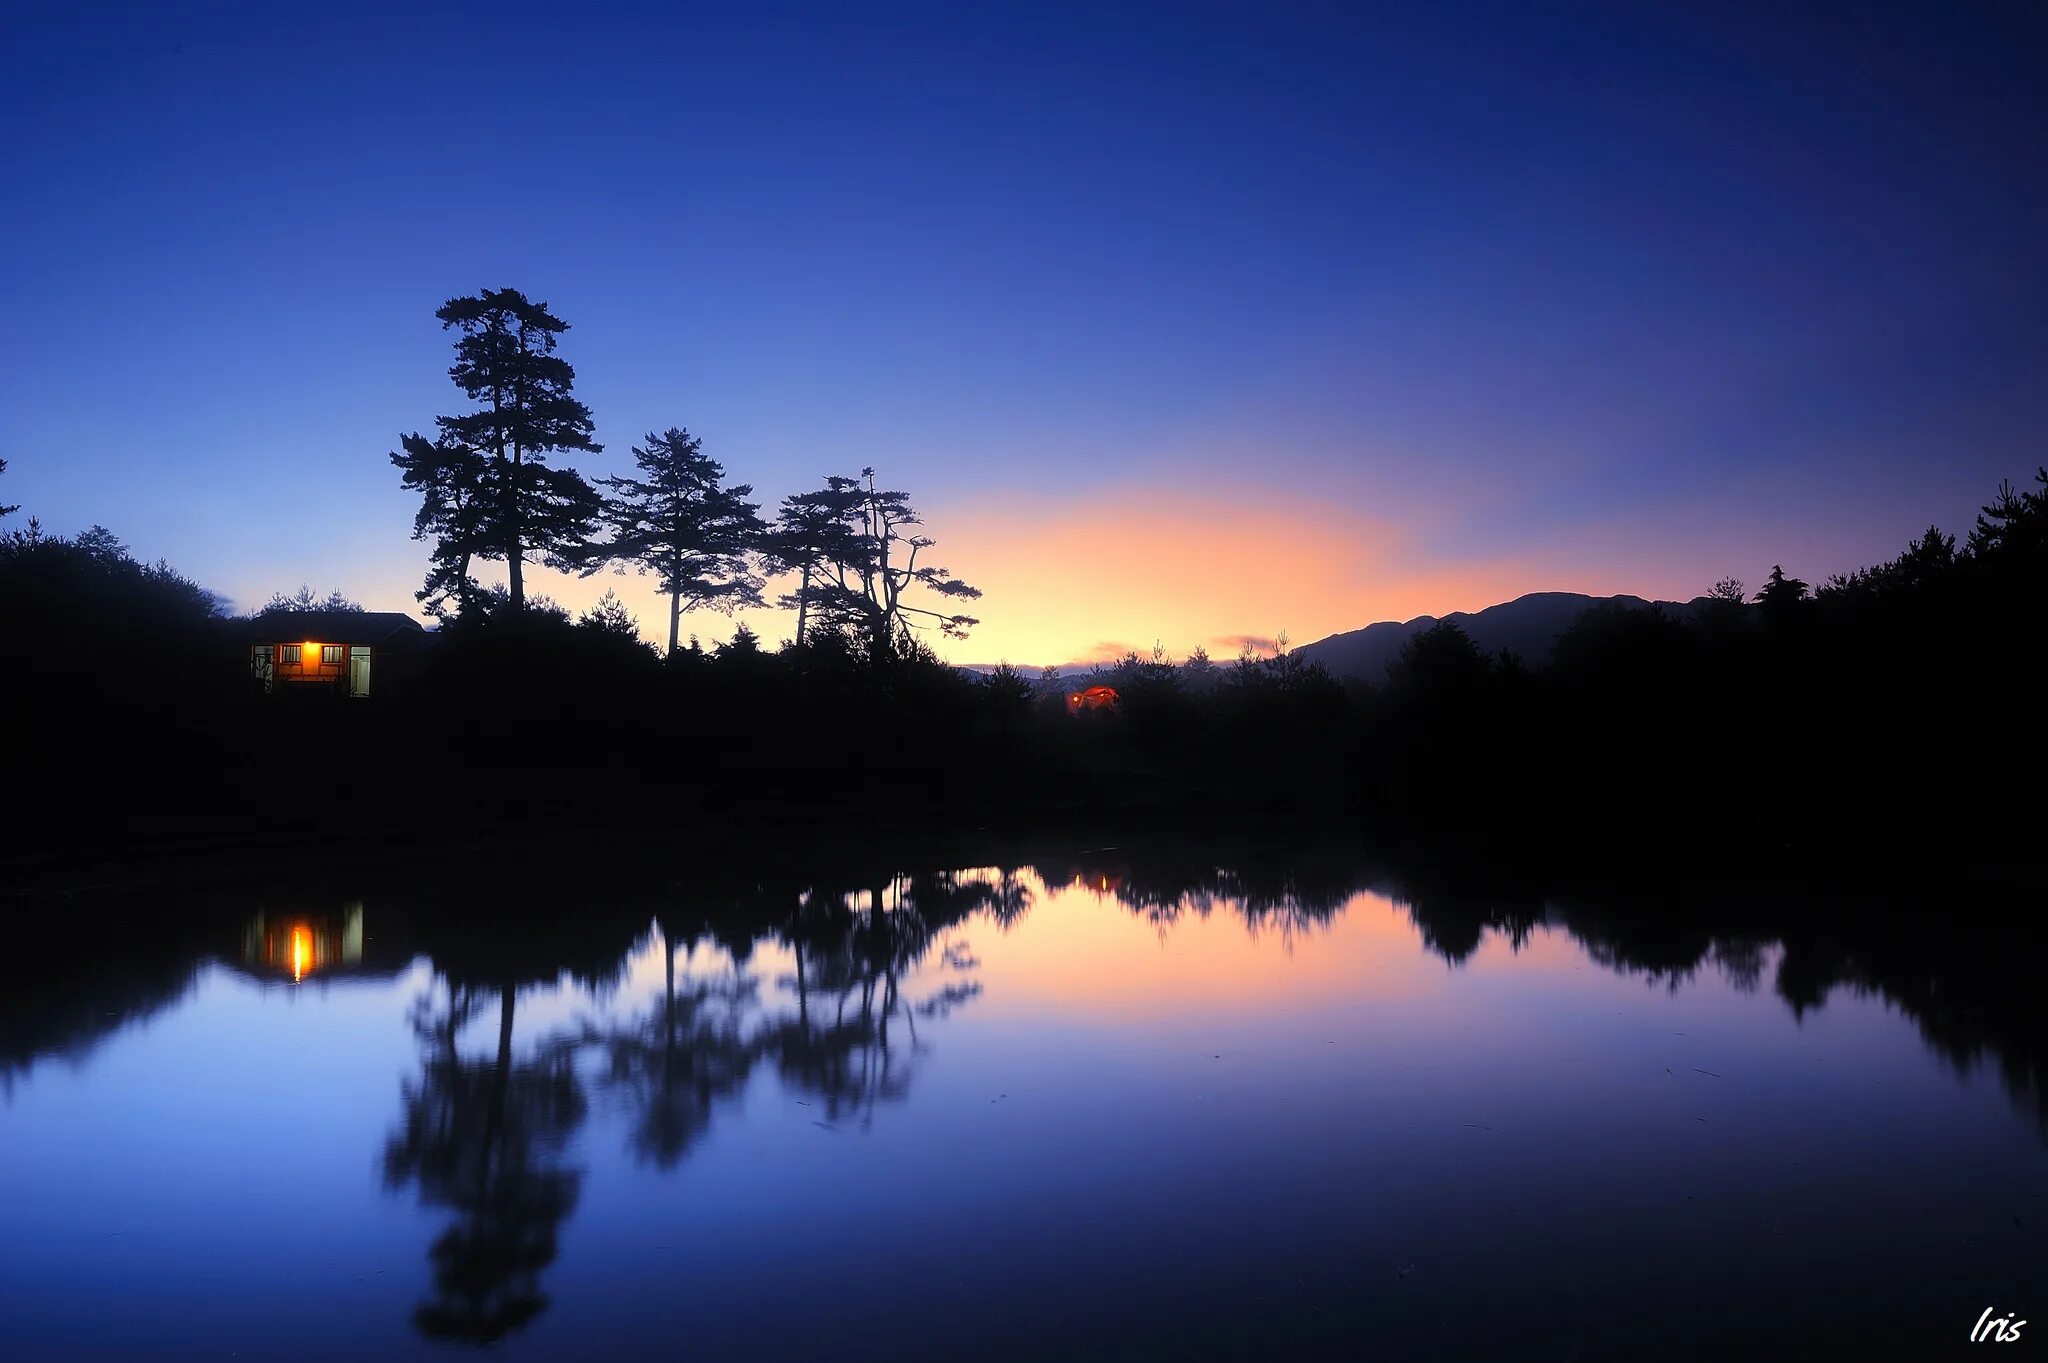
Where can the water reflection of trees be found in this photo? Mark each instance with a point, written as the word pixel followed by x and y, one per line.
pixel 866 959
pixel 487 1139
pixel 1969 1010
pixel 1284 895
pixel 52 1008
pixel 852 1037
pixel 844 1028
pixel 1972 1007
pixel 688 1053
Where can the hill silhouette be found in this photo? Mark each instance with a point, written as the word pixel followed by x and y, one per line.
pixel 1527 627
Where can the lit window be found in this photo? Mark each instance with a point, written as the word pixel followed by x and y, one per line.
pixel 291 655
pixel 330 655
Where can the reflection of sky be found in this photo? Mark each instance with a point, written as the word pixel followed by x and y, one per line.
pixel 1512 297
pixel 1167 1125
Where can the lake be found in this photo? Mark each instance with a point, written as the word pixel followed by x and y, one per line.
pixel 1099 1102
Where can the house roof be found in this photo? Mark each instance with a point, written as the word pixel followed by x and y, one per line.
pixel 339 627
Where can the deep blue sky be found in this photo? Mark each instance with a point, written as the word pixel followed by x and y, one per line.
pixel 1484 298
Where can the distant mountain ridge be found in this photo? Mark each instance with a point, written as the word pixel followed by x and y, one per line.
pixel 1527 626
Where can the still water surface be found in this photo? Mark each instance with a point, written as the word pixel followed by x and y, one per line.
pixel 1074 1110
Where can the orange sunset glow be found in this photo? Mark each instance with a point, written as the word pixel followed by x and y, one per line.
pixel 1084 579
pixel 1090 582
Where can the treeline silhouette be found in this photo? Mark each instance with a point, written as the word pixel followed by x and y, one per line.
pixel 1892 706
pixel 1896 706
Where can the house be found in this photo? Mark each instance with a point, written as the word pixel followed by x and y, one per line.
pixel 1095 698
pixel 329 653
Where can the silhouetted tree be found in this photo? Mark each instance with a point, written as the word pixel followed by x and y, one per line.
pixel 1927 561
pixel 495 600
pixel 1007 690
pixel 7 510
pixel 864 584
pixel 450 479
pixel 812 531
pixel 103 546
pixel 1622 654
pixel 1149 698
pixel 610 616
pixel 1440 659
pixel 679 521
pixel 506 361
pixel 743 644
pixel 57 587
pixel 1780 595
pixel 304 600
pixel 1728 591
pixel 2014 525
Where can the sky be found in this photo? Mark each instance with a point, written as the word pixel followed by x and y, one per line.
pixel 1184 324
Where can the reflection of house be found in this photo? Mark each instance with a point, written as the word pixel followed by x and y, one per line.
pixel 331 653
pixel 1095 698
pixel 298 945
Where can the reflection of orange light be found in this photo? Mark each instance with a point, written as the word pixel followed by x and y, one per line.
pixel 302 950
pixel 309 657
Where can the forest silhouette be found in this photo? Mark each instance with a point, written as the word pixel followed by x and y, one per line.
pixel 1894 706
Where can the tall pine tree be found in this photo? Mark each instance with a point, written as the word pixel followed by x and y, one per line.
pixel 505 361
pixel 679 521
